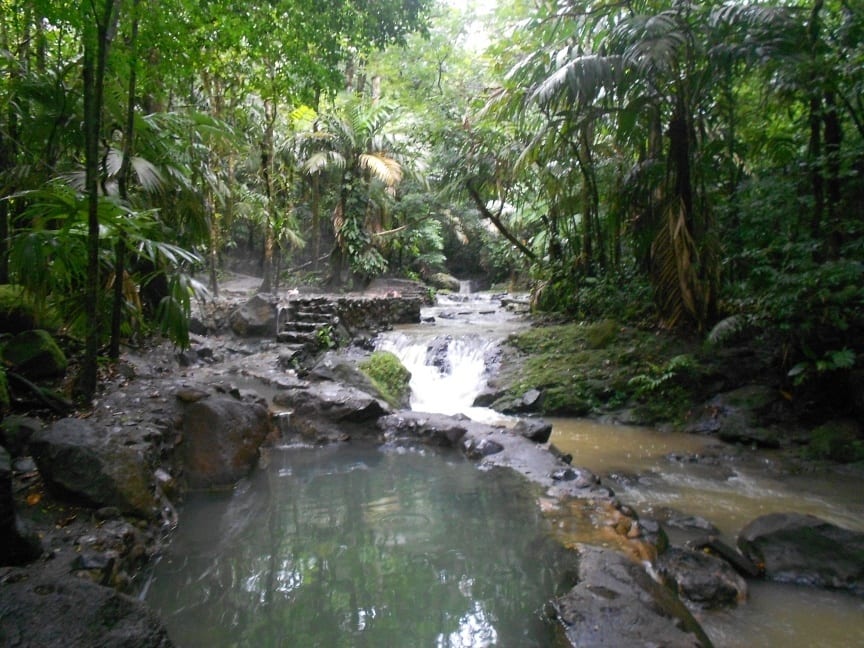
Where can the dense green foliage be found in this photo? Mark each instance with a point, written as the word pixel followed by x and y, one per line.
pixel 693 164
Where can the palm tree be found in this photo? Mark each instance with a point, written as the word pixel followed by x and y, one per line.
pixel 352 142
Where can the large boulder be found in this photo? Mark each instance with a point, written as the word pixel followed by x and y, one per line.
pixel 255 318
pixel 94 467
pixel 334 402
pixel 16 546
pixel 35 354
pixel 616 603
pixel 221 440
pixel 806 550
pixel 58 612
pixel 443 281
pixel 424 428
pixel 705 580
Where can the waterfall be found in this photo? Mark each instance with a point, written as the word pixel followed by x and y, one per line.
pixel 448 354
pixel 447 372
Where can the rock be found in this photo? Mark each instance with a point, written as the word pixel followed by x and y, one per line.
pixel 478 448
pixel 17 546
pixel 702 579
pixel 717 547
pixel 616 603
pixel 255 318
pixel 437 354
pixel 331 401
pixel 87 615
pixel 536 430
pixel 806 550
pixel 429 429
pixel 487 396
pixel 94 467
pixel 221 438
pixel 35 354
pixel 443 281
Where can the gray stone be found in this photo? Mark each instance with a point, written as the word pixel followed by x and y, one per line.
pixel 702 579
pixel 806 550
pixel 443 281
pixel 93 466
pixel 479 448
pixel 537 430
pixel 255 318
pixel 421 427
pixel 617 604
pixel 91 616
pixel 334 402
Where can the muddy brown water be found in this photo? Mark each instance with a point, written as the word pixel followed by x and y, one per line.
pixel 657 471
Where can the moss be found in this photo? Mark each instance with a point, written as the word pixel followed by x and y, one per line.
pixel 35 354
pixel 18 313
pixel 390 377
pixel 838 441
pixel 601 334
pixel 588 370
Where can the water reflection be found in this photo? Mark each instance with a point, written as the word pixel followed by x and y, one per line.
pixel 361 547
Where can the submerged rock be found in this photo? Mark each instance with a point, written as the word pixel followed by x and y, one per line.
pixel 805 550
pixel 616 603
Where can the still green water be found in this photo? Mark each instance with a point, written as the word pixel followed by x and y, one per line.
pixel 359 546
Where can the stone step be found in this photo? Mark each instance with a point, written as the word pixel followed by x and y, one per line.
pixel 297 337
pixel 297 325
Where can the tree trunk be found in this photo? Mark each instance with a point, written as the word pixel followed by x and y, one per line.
pixel 123 184
pixel 267 162
pixel 98 34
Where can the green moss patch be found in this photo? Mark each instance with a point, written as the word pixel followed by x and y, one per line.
pixel 389 376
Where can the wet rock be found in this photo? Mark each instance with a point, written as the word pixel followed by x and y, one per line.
pixel 806 550
pixel 429 429
pixel 221 438
pixel 332 401
pixel 255 318
pixel 91 616
pixel 487 397
pixel 616 603
pixel 479 448
pixel 739 416
pixel 93 467
pixel 713 545
pixel 437 354
pixel 35 354
pixel 17 545
pixel 702 579
pixel 536 430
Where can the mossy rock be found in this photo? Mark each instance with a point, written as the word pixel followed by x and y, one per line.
pixel 35 354
pixel 390 377
pixel 18 314
pixel 839 441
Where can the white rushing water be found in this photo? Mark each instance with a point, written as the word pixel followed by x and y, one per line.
pixel 448 355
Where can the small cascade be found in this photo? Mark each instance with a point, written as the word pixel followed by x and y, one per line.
pixel 449 355
pixel 447 373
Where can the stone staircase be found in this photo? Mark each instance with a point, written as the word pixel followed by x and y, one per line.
pixel 308 324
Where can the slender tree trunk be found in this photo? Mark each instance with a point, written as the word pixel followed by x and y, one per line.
pixel 98 34
pixel 267 163
pixel 123 183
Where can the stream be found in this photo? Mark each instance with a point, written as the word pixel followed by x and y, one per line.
pixel 655 472
pixel 358 545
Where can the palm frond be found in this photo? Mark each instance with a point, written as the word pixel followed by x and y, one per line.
pixel 383 167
